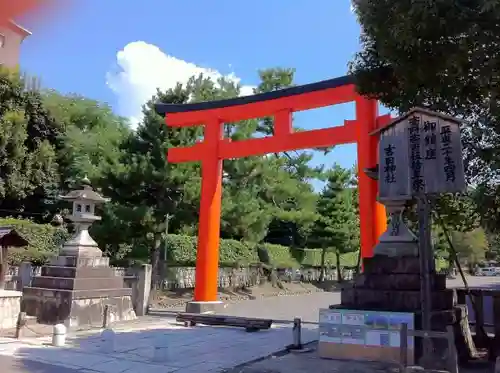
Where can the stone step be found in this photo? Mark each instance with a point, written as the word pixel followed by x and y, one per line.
pixel 397 281
pixel 78 283
pixel 395 300
pixel 380 264
pixel 79 261
pixel 30 292
pixel 62 271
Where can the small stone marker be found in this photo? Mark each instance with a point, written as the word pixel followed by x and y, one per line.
pixel 59 335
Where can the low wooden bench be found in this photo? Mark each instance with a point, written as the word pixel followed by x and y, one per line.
pixel 250 324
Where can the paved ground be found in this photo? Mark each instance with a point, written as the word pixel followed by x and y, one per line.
pixel 310 362
pixel 154 346
pixel 186 350
pixel 13 365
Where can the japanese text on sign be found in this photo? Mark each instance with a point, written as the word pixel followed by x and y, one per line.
pixel 417 180
pixel 430 139
pixel 446 151
pixel 390 164
pixel 420 153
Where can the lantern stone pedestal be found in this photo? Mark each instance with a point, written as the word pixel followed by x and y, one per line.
pixel 75 291
pixel 78 286
pixel 10 302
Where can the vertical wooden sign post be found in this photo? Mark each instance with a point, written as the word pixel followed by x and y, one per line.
pixel 420 157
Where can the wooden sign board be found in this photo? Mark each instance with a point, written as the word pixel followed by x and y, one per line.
pixel 420 153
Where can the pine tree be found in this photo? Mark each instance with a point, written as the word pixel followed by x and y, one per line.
pixel 335 229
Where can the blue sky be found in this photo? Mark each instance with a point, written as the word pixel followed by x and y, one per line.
pixel 119 51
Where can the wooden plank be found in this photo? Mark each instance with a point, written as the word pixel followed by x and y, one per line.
pixel 478 302
pixel 496 323
pixel 425 333
pixel 452 351
pixel 250 324
pixel 461 296
pixel 403 335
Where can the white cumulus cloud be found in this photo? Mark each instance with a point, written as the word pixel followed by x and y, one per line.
pixel 141 68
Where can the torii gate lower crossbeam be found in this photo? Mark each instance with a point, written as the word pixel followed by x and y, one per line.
pixel 280 104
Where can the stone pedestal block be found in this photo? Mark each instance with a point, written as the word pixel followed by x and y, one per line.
pixel 397 281
pixel 395 300
pixel 391 265
pixel 77 291
pixel 393 284
pixel 204 307
pixel 10 306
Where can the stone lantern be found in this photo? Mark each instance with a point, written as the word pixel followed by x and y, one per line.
pixel 84 202
pixel 78 286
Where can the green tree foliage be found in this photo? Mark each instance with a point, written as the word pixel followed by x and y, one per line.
pixel 28 166
pixel 336 227
pixel 287 190
pixel 443 54
pixel 145 185
pixel 89 144
pixel 48 141
pixel 44 241
pixel 256 190
pixel 470 246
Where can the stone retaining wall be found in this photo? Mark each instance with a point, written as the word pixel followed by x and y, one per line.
pixel 237 278
pixel 184 277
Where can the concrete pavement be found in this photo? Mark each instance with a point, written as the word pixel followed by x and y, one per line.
pixel 156 346
pixel 160 345
pixel 12 365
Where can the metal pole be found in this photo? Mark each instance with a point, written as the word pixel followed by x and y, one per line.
pixel 167 220
pixel 105 317
pixel 425 255
pixel 297 333
pixel 164 280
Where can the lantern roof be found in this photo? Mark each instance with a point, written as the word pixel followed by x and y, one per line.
pixel 413 111
pixel 10 237
pixel 86 193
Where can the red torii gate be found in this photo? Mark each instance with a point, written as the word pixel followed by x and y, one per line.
pixel 280 104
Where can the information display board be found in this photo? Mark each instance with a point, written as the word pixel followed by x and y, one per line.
pixel 368 328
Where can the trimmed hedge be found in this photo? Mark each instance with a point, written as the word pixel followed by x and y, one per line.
pixel 44 241
pixel 182 251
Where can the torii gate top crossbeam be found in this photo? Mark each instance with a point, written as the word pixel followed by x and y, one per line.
pixel 303 97
pixel 279 104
